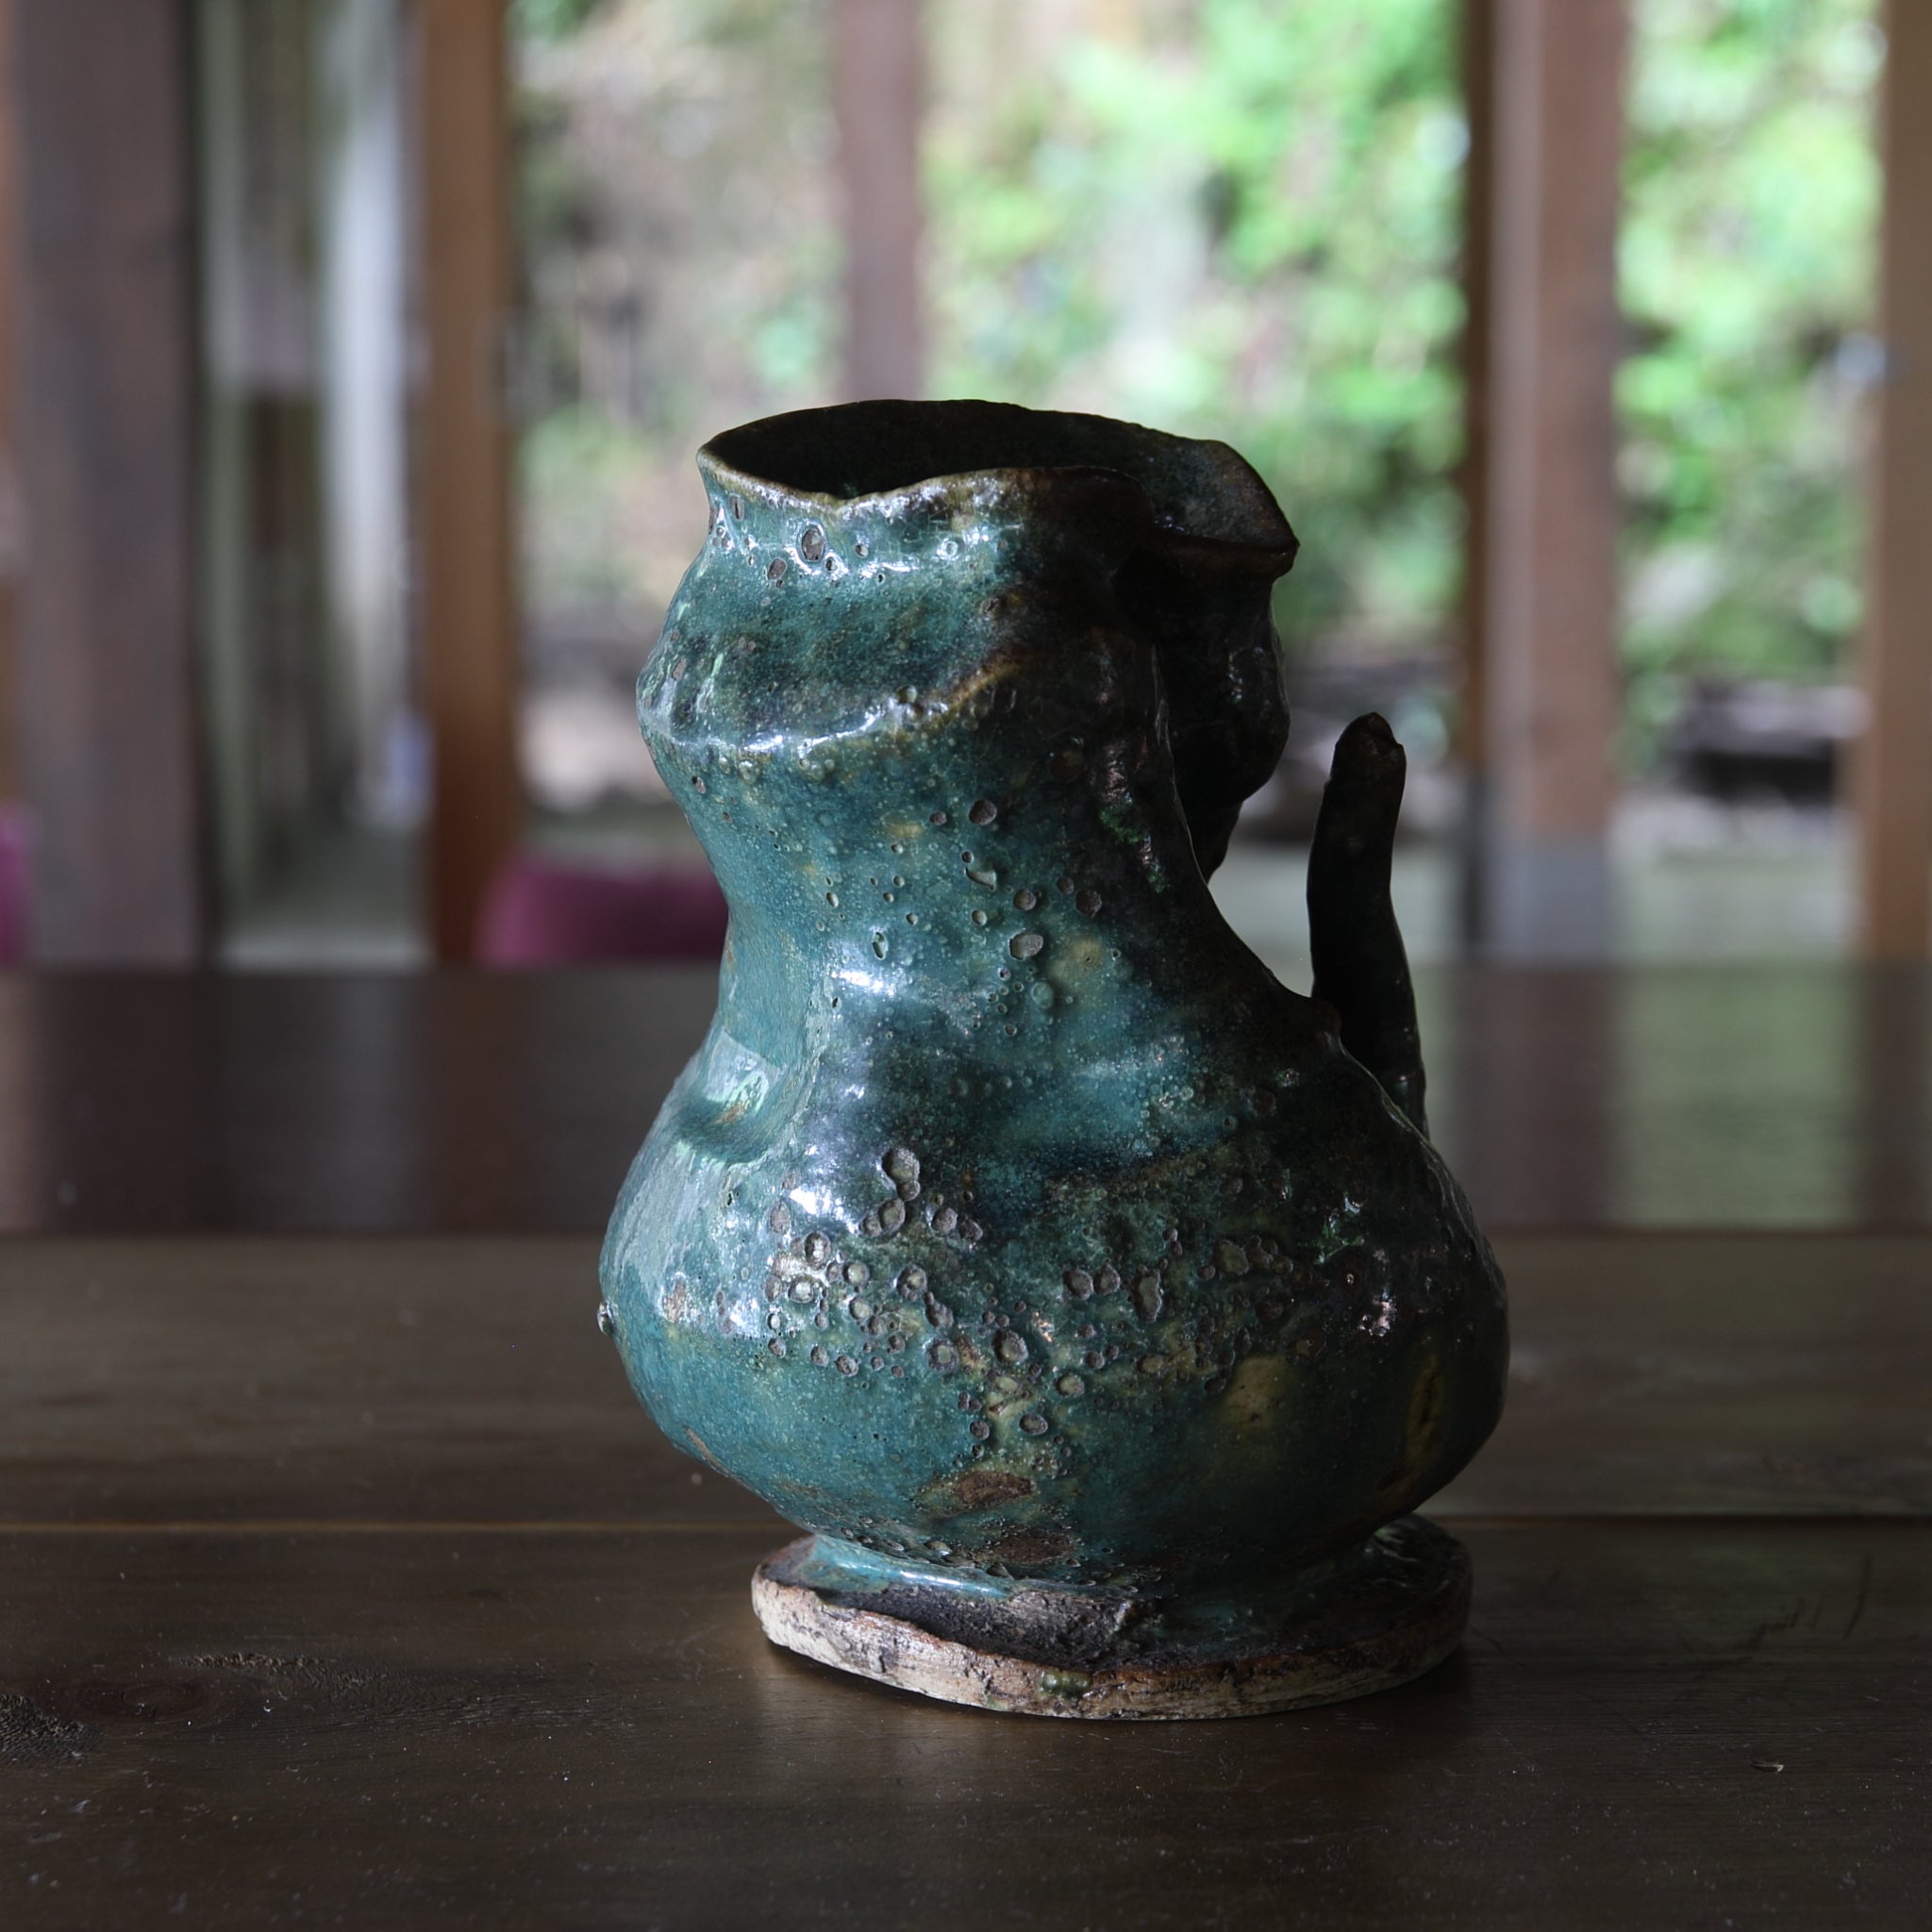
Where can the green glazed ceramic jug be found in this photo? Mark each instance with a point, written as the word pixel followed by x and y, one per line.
pixel 1096 1304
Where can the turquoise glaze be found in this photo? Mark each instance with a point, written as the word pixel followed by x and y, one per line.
pixel 1013 1222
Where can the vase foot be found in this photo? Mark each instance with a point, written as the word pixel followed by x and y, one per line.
pixel 1366 1621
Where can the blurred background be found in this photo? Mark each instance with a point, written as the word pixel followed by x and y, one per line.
pixel 357 350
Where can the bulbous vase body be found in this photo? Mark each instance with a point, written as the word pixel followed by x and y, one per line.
pixel 1013 1223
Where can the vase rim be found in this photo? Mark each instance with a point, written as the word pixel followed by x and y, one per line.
pixel 876 455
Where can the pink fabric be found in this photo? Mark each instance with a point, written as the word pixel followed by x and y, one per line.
pixel 542 912
pixel 16 884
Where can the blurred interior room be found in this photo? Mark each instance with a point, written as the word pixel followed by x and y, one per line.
pixel 354 378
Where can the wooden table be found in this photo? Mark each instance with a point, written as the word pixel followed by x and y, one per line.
pixel 1762 1097
pixel 342 1582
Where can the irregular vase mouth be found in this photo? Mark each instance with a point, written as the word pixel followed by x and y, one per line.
pixel 829 460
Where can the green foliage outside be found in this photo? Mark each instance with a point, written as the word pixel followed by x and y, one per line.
pixel 1232 220
pixel 549 20
pixel 1227 218
pixel 682 263
pixel 1748 243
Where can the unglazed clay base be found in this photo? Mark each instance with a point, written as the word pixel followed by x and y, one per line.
pixel 1377 1617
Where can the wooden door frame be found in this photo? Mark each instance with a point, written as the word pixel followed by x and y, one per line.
pixel 468 612
pixel 1892 781
pixel 104 316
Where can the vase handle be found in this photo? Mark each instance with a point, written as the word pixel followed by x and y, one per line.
pixel 1361 967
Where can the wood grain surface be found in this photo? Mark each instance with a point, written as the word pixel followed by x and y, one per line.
pixel 343 1582
pixel 463 1381
pixel 1651 1723
pixel 1794 1097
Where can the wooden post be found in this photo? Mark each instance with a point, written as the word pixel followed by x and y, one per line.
pixel 9 534
pixel 878 99
pixel 463 461
pixel 1893 781
pixel 105 314
pixel 1479 67
pixel 1549 596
